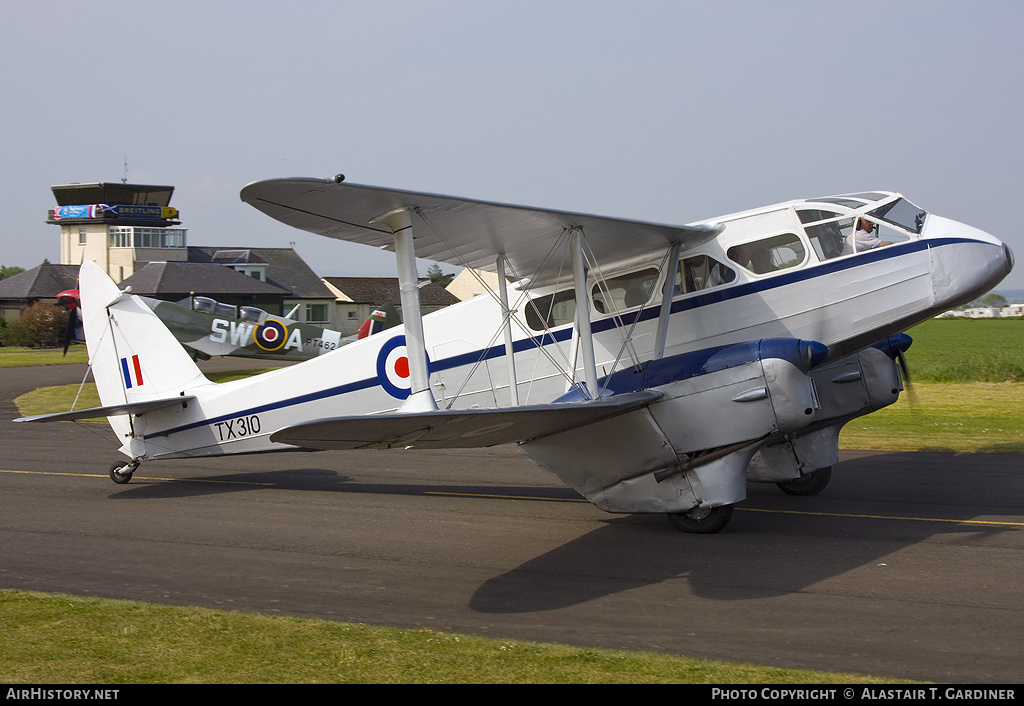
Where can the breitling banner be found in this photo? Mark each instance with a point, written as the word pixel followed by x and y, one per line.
pixel 102 210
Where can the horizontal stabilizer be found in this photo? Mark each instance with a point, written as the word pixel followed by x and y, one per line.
pixel 113 410
pixel 454 429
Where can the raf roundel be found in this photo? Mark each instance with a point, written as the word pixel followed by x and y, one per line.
pixel 270 335
pixel 393 368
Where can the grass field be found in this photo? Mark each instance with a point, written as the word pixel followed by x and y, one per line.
pixel 60 639
pixel 967 350
pixel 974 417
pixel 966 392
pixel 15 357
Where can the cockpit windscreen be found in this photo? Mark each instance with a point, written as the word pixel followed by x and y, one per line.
pixel 901 213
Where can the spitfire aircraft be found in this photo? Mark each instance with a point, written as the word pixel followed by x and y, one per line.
pixel 206 327
pixel 653 368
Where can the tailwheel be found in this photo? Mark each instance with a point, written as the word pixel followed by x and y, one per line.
pixel 702 520
pixel 121 471
pixel 811 484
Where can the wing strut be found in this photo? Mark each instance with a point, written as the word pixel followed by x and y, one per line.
pixel 579 276
pixel 666 300
pixel 506 315
pixel 420 399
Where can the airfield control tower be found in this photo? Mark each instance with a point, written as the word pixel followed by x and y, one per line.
pixel 118 226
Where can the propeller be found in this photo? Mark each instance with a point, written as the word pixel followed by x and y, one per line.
pixel 898 346
pixel 69 300
pixel 901 358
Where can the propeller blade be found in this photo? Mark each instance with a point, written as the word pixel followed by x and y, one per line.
pixel 69 329
pixel 904 370
pixel 905 374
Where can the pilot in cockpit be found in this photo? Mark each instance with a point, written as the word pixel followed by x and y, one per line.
pixel 864 238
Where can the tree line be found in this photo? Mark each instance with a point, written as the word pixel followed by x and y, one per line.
pixel 40 325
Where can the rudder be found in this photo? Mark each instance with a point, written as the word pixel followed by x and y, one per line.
pixel 134 357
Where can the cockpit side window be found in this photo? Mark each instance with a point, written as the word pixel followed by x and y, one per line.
pixel 827 230
pixel 778 252
pixel 870 234
pixel 699 272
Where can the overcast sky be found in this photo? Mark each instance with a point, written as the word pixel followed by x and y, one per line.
pixel 667 111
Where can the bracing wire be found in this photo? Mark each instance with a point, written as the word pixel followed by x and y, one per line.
pixel 508 315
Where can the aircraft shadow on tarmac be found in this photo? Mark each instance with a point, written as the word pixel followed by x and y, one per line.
pixel 316 480
pixel 776 545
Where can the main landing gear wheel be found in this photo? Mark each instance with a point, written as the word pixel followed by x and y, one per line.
pixel 702 520
pixel 811 484
pixel 121 471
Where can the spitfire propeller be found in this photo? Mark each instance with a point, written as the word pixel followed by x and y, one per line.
pixel 69 300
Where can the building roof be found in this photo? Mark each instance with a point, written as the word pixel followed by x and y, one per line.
pixel 112 193
pixel 385 290
pixel 285 268
pixel 245 256
pixel 41 282
pixel 161 279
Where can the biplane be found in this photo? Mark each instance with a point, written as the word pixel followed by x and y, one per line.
pixel 653 368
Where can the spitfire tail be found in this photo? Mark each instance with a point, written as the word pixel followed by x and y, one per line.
pixel 134 357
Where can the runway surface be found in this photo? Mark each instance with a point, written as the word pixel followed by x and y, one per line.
pixel 908 565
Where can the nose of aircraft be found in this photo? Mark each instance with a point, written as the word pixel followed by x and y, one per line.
pixel 966 262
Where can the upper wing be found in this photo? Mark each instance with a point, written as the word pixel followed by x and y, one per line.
pixel 460 231
pixel 457 429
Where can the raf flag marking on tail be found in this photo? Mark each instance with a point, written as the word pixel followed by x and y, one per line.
pixel 132 373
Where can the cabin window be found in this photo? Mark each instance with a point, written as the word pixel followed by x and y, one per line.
pixel 553 310
pixel 625 291
pixel 840 201
pixel 701 272
pixel 778 252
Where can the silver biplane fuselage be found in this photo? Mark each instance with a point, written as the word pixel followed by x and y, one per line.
pixel 705 356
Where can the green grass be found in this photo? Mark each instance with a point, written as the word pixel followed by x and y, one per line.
pixel 966 418
pixel 966 392
pixel 11 357
pixel 55 638
pixel 967 350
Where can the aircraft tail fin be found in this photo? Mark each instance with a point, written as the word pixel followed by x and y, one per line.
pixel 381 318
pixel 134 357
